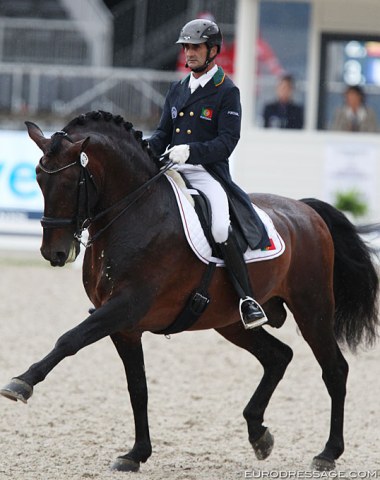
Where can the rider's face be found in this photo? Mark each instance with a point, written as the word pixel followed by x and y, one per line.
pixel 195 54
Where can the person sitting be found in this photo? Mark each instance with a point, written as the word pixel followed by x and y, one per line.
pixel 199 128
pixel 355 115
pixel 284 112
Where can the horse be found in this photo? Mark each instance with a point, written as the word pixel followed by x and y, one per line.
pixel 138 271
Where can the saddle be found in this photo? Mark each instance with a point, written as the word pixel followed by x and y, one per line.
pixel 203 210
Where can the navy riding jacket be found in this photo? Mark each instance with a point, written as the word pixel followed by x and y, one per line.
pixel 209 121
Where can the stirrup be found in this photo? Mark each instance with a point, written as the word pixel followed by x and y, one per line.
pixel 253 323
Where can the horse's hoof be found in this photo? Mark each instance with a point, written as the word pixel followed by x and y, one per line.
pixel 264 445
pixel 17 389
pixel 321 464
pixel 122 464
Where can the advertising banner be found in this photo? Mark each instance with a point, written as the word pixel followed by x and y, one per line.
pixel 19 191
pixel 21 201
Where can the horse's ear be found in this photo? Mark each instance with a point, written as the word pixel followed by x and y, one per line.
pixel 35 133
pixel 80 146
pixel 85 142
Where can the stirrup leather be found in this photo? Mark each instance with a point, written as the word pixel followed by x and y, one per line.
pixel 253 323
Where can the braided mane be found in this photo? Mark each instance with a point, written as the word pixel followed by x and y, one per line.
pixel 101 115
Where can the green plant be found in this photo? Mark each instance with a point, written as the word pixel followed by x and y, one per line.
pixel 351 201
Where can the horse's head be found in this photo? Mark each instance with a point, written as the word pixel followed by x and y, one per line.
pixel 61 175
pixel 120 163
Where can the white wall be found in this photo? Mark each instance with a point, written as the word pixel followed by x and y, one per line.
pixel 359 16
pixel 297 164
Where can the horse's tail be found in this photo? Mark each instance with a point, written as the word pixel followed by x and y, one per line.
pixel 356 282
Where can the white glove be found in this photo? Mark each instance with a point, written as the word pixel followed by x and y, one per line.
pixel 179 154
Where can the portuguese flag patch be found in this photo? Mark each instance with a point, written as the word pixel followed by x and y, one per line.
pixel 207 113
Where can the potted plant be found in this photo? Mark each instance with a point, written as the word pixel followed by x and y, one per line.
pixel 351 202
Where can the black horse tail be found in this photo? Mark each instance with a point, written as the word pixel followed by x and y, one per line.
pixel 356 282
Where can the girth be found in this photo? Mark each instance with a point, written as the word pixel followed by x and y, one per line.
pixel 195 306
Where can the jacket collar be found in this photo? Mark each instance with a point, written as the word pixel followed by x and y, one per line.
pixel 217 79
pixel 203 79
pixel 209 89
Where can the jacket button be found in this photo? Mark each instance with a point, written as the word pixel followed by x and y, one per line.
pixel 181 114
pixel 177 130
pixel 191 114
pixel 188 132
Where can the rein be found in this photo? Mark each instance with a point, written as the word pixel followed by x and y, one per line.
pixel 83 218
pixel 131 198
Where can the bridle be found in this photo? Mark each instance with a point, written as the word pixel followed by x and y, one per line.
pixel 83 200
pixel 85 203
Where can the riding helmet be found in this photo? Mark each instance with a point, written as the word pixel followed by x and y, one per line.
pixel 201 31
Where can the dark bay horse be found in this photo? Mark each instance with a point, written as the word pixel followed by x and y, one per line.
pixel 139 272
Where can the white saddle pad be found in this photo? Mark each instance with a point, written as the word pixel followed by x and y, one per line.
pixel 199 244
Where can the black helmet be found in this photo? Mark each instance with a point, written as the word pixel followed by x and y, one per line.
pixel 201 31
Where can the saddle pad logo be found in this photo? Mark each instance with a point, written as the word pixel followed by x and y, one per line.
pixel 207 113
pixel 269 247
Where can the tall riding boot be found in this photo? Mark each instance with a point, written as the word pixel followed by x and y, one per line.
pixel 251 312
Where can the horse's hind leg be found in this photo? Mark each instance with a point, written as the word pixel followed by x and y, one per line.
pixel 274 357
pixel 318 332
pixel 131 353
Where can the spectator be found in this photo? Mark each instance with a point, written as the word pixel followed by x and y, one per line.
pixel 355 115
pixel 284 112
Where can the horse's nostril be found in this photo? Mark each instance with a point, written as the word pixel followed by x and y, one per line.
pixel 59 259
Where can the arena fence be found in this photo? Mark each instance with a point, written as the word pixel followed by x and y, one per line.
pixel 57 93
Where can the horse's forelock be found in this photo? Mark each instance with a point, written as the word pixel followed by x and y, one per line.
pixel 55 144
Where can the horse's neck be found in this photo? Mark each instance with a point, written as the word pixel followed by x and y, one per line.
pixel 120 172
pixel 146 229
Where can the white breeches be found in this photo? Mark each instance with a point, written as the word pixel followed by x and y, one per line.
pixel 201 180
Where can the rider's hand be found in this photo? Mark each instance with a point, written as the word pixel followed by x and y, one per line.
pixel 179 154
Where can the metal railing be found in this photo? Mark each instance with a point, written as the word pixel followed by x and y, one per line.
pixel 57 93
pixel 66 42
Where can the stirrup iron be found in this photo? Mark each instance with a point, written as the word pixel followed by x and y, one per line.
pixel 253 323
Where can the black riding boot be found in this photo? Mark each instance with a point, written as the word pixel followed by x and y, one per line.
pixel 251 313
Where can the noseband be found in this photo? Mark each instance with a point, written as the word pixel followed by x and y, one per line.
pixel 84 218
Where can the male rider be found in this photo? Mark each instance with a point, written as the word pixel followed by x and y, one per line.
pixel 200 125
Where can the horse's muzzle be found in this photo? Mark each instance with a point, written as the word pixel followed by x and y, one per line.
pixel 59 257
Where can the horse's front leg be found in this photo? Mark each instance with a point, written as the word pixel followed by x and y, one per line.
pixel 131 353
pixel 110 318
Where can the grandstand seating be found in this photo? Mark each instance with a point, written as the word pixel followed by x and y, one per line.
pixel 33 9
pixel 51 51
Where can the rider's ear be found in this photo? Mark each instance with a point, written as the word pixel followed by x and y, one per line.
pixel 35 133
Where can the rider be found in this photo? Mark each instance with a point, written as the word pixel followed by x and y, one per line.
pixel 201 123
